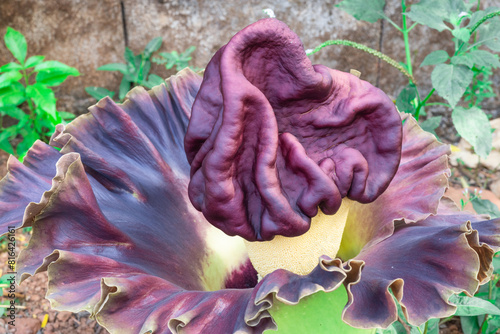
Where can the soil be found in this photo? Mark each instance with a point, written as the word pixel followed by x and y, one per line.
pixel 33 308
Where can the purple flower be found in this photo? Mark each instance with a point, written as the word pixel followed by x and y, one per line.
pixel 270 140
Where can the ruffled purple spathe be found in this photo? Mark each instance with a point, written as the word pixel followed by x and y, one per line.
pixel 270 139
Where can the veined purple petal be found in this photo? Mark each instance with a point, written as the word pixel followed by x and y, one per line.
pixel 36 172
pixel 412 195
pixel 169 309
pixel 423 264
pixel 117 234
pixel 415 242
pixel 273 137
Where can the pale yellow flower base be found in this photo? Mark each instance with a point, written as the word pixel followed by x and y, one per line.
pixel 300 255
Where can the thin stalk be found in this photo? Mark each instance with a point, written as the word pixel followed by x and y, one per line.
pixel 393 23
pixel 405 31
pixel 422 103
pixel 426 327
pixel 412 26
pixel 30 104
pixel 366 49
pixel 490 291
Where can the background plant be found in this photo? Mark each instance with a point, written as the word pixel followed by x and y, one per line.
pixel 179 60
pixel 462 79
pixel 29 99
pixel 135 72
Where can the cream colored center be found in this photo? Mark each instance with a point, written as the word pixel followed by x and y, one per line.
pixel 301 254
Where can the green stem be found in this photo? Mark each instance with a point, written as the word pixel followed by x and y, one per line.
pixel 28 99
pixel 490 290
pixel 422 103
pixel 366 49
pixel 412 26
pixel 393 23
pixel 426 327
pixel 406 40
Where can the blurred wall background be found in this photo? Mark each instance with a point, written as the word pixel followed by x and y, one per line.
pixel 87 34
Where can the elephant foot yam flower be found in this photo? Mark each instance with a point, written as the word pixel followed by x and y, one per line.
pixel 269 194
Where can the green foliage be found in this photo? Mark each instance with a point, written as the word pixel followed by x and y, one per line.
pixel 485 206
pixel 369 11
pixel 171 59
pixel 461 79
pixel 27 99
pixel 473 125
pixel 135 72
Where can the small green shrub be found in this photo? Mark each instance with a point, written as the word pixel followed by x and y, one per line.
pixel 180 61
pixel 462 79
pixel 135 72
pixel 27 99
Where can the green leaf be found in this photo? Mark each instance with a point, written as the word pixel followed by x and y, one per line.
pixel 450 81
pixel 493 324
pixel 16 43
pixel 66 115
pixel 485 206
pixel 431 124
pixel 433 326
pixel 34 61
pixel 463 59
pixel 122 68
pixel 145 70
pixel 7 78
pixel 489 34
pixel 99 92
pixel 152 46
pixel 12 95
pixel 469 306
pixel 11 67
pixel 462 34
pixel 430 13
pixel 129 56
pixel 124 88
pixel 43 97
pixel 369 11
pixel 6 146
pixel 54 65
pixel 154 80
pixel 394 328
pixel 469 324
pixel 473 125
pixel 405 97
pixel 188 51
pixel 26 143
pixel 484 58
pixel 435 57
pixel 53 73
pixel 52 78
pixel 14 112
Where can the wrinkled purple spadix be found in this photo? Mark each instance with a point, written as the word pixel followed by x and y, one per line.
pixel 272 137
